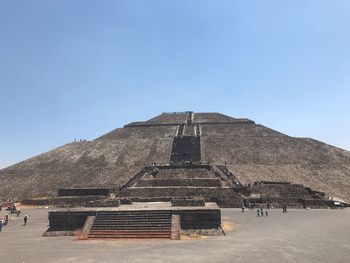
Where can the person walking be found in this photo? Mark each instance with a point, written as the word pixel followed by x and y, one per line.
pixel 258 212
pixel 25 218
pixel 1 224
pixel 266 213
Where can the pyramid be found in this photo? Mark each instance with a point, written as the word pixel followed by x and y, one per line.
pixel 250 152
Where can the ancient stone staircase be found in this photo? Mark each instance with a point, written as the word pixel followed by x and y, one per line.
pixel 164 183
pixel 186 148
pixel 226 172
pixel 132 225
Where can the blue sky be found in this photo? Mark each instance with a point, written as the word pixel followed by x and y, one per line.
pixel 78 69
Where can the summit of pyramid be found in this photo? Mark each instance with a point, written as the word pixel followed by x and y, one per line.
pixel 189 117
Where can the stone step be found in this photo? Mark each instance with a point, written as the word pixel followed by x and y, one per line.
pixel 129 236
pixel 135 213
pixel 152 231
pixel 196 182
pixel 140 228
pixel 129 228
pixel 134 224
pixel 131 233
pixel 166 214
pixel 139 223
pixel 133 219
pixel 130 225
pixel 180 191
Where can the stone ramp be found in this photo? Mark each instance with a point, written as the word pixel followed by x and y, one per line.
pixel 132 224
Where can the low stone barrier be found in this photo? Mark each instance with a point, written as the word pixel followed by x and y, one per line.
pixel 188 202
pixel 83 191
pixel 67 201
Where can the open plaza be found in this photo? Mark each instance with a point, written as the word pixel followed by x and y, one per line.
pixel 300 235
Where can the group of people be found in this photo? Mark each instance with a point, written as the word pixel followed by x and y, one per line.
pixel 261 212
pixel 5 220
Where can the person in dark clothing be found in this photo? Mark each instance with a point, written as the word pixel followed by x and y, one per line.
pixel 25 218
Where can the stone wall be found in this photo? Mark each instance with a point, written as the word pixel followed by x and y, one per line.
pixel 188 202
pixel 206 192
pixel 200 182
pixel 68 221
pixel 62 201
pixel 83 191
pixel 200 219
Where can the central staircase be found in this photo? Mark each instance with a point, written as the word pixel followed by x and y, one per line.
pixel 132 224
pixel 186 148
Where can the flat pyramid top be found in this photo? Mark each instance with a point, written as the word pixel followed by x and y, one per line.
pixel 201 117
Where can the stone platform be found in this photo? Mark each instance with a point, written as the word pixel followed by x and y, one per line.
pixel 191 217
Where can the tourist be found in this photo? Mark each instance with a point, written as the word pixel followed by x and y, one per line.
pixel 266 213
pixel 6 219
pixel 18 212
pixel 25 218
pixel 261 212
pixel 1 224
pixel 284 208
pixel 258 212
pixel 242 207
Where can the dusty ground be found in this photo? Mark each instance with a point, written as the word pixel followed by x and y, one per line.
pixel 298 236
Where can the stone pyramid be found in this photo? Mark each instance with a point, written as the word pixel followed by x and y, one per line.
pixel 250 151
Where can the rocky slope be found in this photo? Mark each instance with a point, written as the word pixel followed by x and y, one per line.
pixel 252 152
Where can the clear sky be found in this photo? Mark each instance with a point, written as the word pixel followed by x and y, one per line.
pixel 78 69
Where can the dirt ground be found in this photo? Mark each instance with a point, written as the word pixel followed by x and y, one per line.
pixel 296 236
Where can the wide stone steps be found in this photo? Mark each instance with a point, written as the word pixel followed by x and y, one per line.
pixel 185 148
pixel 195 182
pixel 106 227
pixel 132 224
pixel 131 234
pixel 178 191
pixel 135 219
